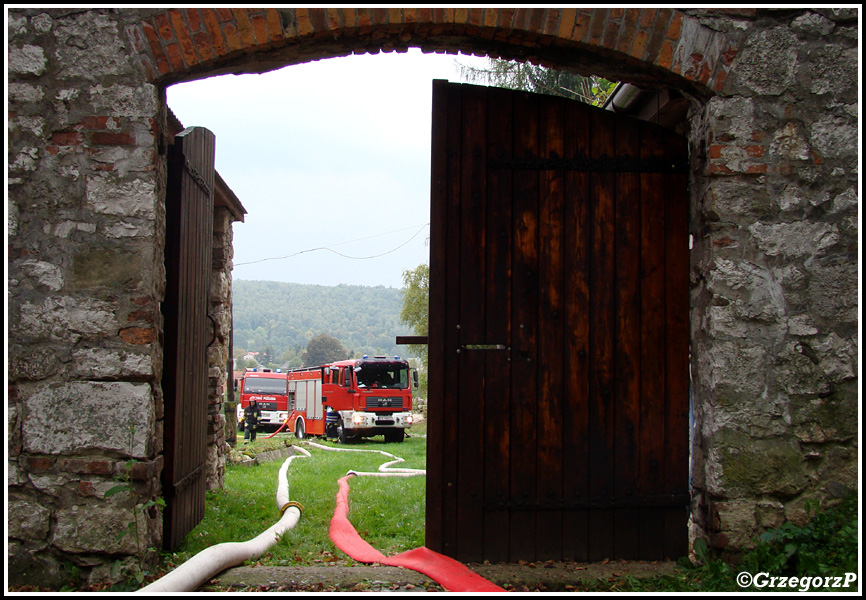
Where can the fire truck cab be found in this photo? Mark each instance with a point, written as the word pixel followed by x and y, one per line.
pixel 353 398
pixel 269 389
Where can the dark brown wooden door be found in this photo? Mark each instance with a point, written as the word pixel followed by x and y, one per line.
pixel 189 233
pixel 558 403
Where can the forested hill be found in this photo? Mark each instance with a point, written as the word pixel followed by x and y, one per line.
pixel 281 316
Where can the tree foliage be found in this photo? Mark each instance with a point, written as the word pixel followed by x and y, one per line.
pixel 323 349
pixel 540 80
pixel 416 304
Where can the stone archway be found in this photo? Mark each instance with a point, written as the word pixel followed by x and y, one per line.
pixel 658 46
pixel 774 226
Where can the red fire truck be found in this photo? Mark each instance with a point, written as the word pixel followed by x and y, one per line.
pixel 354 398
pixel 270 390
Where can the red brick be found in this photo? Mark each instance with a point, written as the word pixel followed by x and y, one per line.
pixel 144 315
pixel 275 27
pixel 581 27
pixel 567 19
pixel 110 138
pixel 193 17
pixel 638 48
pixel 163 26
pixel 676 27
pixel 318 20
pixel 506 18
pixel 86 466
pixel 39 463
pixel 203 46
pixel 647 18
pixel 172 51
pixel 187 48
pixel 67 138
pixel 260 28
pixel 350 17
pixel 551 22
pixel 334 22
pixel 87 489
pixel 395 16
pixel 212 25
pixel 245 28
pixel 363 17
pixel 379 16
pixel 138 335
pixel 233 40
pixel 611 33
pixel 96 122
pixel 536 19
pixel 627 31
pixel 665 56
pixel 491 17
pixel 597 26
pixel 302 15
pixel 225 15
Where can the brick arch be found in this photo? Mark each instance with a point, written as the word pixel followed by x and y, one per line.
pixel 662 46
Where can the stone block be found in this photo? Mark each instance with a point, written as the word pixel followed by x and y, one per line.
pixel 26 60
pixel 98 527
pixel 66 319
pixel 796 239
pixel 27 520
pixel 108 195
pixel 85 416
pixel 111 363
pixel 98 267
pixel 767 64
pixel 754 467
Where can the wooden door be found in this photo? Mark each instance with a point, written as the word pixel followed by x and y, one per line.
pixel 558 340
pixel 188 330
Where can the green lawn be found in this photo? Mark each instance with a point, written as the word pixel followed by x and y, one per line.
pixel 388 512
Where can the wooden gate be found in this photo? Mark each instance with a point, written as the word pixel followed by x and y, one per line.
pixel 189 234
pixel 558 340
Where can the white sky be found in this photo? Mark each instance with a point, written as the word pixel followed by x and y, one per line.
pixel 334 153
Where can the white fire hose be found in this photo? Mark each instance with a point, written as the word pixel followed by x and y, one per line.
pixel 385 469
pixel 200 568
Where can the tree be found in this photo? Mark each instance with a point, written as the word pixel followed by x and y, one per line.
pixel 323 349
pixel 541 80
pixel 416 314
pixel 416 304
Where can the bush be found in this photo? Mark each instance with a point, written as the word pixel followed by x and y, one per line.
pixel 824 548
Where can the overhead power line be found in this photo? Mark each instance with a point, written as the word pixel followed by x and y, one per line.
pixel 331 248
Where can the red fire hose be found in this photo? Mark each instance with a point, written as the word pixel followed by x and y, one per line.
pixel 452 575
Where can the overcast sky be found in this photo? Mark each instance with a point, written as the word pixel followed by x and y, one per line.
pixel 331 154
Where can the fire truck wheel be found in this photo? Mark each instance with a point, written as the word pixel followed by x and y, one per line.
pixel 342 436
pixel 299 429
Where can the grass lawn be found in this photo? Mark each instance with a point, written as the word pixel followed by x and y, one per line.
pixel 388 512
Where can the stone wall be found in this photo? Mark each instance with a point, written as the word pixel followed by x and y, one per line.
pixel 218 352
pixel 85 277
pixel 774 308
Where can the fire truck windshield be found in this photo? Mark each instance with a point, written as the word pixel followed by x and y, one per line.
pixel 393 376
pixel 262 385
